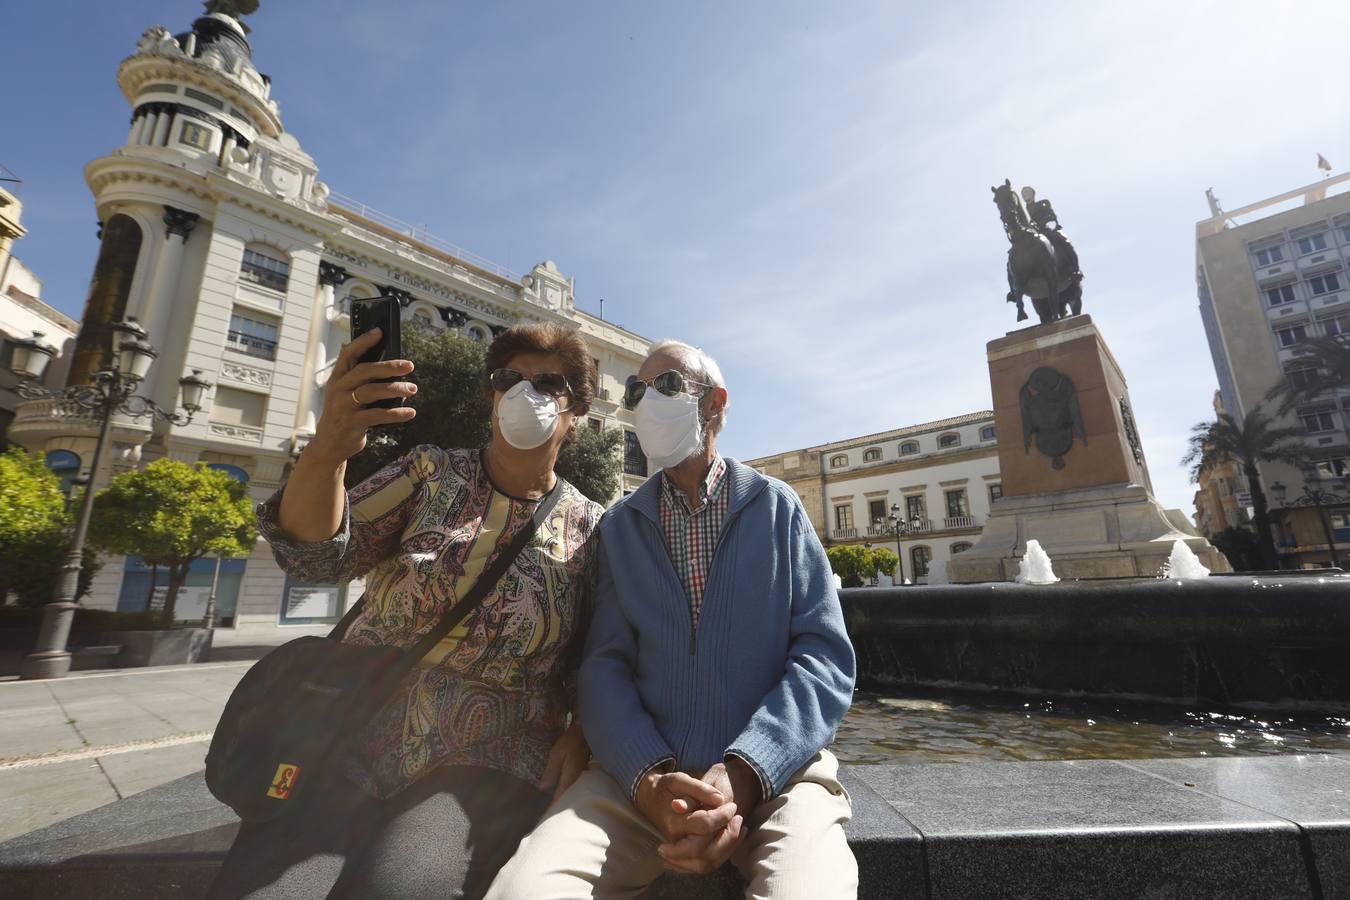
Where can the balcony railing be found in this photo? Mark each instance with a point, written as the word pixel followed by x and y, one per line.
pixel 844 534
pixel 959 522
pixel 253 346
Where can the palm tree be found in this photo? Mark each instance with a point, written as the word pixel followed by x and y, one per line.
pixel 1247 442
pixel 1325 367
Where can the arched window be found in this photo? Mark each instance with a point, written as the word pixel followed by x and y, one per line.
pixel 987 433
pixel 961 547
pixel 476 334
pixel 950 439
pixel 65 465
pixel 872 454
pixel 838 462
pixel 265 266
pixel 424 318
pixel 234 472
pixel 919 558
pixel 909 448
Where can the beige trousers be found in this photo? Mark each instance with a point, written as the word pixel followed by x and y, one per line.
pixel 593 842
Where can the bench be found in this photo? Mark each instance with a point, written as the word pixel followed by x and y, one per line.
pixel 1276 826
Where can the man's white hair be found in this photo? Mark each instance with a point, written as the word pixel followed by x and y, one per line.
pixel 698 366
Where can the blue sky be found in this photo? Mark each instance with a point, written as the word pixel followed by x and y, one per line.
pixel 801 188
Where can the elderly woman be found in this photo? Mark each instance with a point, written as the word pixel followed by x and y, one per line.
pixel 462 761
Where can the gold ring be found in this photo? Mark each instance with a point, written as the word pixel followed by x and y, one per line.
pixel 359 404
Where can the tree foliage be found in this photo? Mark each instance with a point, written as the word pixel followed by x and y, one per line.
pixel 1248 442
pixel 855 564
pixel 169 514
pixel 453 410
pixel 1325 363
pixel 1241 546
pixel 35 531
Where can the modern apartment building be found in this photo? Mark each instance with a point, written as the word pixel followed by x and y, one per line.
pixel 1270 276
pixel 941 478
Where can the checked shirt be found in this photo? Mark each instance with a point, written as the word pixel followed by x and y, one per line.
pixel 692 532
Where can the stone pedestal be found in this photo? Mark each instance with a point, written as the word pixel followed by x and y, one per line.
pixel 1074 474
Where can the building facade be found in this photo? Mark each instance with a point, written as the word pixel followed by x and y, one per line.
pixel 1270 276
pixel 219 238
pixel 1221 498
pixel 943 478
pixel 22 311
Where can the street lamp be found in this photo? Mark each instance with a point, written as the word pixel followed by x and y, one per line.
pixel 111 390
pixel 1322 500
pixel 900 528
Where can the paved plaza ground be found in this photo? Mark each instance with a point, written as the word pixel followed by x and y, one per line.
pixel 70 745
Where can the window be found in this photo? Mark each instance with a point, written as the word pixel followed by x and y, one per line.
pixel 634 460
pixel 1283 293
pixel 988 433
pixel 995 492
pixel 265 270
pixel 205 98
pixel 195 135
pixel 1292 335
pixel 1317 421
pixel 957 504
pixel 1338 325
pixel 909 447
pixel 423 318
pixel 949 440
pixel 65 465
pixel 1312 243
pixel 1324 284
pixel 876 512
pixel 252 336
pixel 234 407
pixel 838 462
pixel 919 558
pixel 843 516
pixel 594 424
pixel 476 334
pixel 961 547
pixel 915 508
pixel 1335 467
pixel 1268 256
pixel 1302 378
pixel 872 454
pixel 1345 232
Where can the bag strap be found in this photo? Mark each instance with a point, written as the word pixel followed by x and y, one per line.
pixel 485 583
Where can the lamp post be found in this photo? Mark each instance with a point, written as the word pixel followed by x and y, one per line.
pixel 1322 500
pixel 900 528
pixel 111 390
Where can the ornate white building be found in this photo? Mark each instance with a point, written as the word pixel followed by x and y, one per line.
pixel 219 238
pixel 941 477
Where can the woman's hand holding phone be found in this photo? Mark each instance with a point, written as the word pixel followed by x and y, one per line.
pixel 341 430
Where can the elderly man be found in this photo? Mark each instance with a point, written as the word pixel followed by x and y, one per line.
pixel 716 671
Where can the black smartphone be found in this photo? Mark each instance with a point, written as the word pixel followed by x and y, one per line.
pixel 382 312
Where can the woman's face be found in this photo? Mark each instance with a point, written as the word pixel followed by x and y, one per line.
pixel 530 365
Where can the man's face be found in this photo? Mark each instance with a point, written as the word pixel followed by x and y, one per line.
pixel 1028 194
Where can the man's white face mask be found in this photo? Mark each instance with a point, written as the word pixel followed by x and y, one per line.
pixel 669 429
pixel 526 417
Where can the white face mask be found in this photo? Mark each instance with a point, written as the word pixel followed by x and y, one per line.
pixel 526 417
pixel 668 428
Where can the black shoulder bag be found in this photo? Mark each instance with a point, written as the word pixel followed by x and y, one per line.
pixel 301 704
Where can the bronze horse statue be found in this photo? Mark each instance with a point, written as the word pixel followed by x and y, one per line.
pixel 1041 263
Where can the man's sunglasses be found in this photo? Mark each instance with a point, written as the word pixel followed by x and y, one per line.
pixel 550 383
pixel 669 383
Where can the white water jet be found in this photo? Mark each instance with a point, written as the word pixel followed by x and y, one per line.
pixel 838 583
pixel 937 572
pixel 1183 563
pixel 1034 567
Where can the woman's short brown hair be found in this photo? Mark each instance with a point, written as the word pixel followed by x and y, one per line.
pixel 557 340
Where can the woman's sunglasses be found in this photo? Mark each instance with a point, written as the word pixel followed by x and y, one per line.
pixel 550 383
pixel 668 383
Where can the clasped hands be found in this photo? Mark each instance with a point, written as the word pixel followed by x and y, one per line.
pixel 702 818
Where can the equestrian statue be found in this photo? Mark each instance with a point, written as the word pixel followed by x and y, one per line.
pixel 1042 264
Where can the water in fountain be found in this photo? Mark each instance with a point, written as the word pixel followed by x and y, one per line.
pixel 937 572
pixel 1034 567
pixel 1183 563
pixel 838 582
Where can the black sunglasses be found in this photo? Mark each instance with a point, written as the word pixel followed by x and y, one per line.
pixel 668 383
pixel 550 383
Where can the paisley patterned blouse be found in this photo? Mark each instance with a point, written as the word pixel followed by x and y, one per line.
pixel 497 690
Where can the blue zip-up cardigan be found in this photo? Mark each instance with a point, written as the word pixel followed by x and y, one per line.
pixel 767 674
